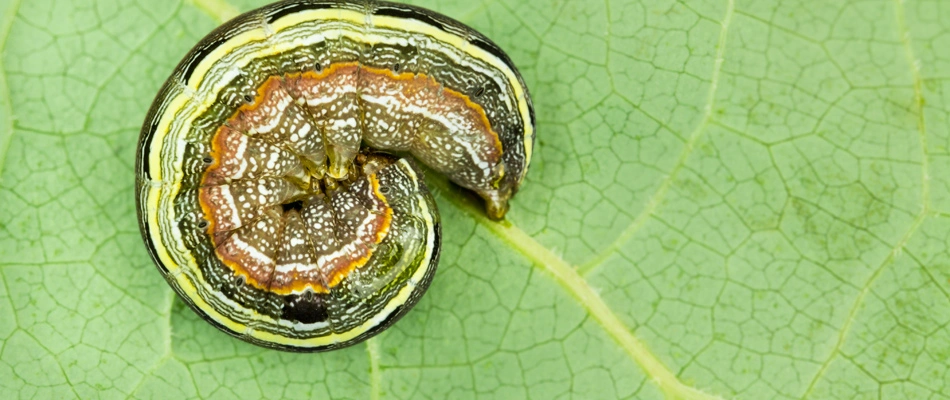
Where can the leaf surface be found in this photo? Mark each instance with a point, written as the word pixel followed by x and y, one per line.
pixel 728 200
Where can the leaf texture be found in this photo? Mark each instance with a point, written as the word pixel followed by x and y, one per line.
pixel 729 199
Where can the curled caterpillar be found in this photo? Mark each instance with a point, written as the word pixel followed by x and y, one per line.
pixel 271 188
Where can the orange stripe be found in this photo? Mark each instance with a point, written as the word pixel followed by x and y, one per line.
pixel 407 76
pixel 336 276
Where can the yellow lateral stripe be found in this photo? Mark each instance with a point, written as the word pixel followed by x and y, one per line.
pixel 182 106
pixel 151 203
pixel 478 53
pixel 239 40
pixel 201 71
pixel 158 136
pixel 415 26
pixel 360 19
pixel 190 289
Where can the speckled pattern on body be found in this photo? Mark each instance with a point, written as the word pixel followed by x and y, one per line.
pixel 267 192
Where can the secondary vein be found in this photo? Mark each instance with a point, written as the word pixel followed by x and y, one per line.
pixel 904 34
pixel 6 103
pixel 218 10
pixel 372 350
pixel 688 148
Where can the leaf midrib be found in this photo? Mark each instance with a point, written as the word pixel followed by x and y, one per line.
pixel 561 271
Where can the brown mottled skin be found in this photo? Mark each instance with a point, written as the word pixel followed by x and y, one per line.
pixel 265 192
pixel 301 134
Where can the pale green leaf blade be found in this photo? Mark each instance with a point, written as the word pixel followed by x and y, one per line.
pixel 728 199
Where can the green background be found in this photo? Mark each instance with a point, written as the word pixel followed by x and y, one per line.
pixel 742 199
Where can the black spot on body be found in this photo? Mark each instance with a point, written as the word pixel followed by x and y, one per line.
pixel 294 205
pixel 305 308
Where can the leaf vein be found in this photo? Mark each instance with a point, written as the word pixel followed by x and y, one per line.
pixel 375 376
pixel 914 66
pixel 568 277
pixel 660 194
pixel 6 103
pixel 219 10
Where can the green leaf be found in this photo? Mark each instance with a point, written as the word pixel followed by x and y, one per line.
pixel 736 200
